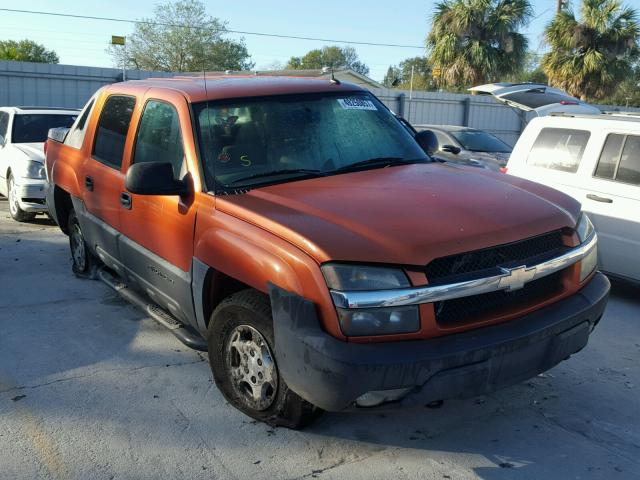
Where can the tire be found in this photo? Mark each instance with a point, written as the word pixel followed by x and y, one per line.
pixel 240 326
pixel 15 211
pixel 83 262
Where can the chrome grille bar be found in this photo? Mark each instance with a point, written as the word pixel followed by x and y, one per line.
pixel 511 279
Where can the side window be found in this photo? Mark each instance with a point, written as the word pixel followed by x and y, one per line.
pixel 558 149
pixel 159 137
pixel 75 137
pixel 111 133
pixel 629 168
pixel 609 157
pixel 4 124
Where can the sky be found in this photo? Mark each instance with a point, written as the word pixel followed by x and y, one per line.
pixel 83 42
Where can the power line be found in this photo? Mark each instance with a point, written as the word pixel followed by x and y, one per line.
pixel 226 30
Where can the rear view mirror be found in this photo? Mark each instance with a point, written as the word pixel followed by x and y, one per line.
pixel 154 178
pixel 451 149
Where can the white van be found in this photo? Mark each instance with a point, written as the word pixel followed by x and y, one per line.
pixel 595 159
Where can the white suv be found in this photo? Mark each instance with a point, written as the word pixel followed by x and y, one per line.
pixel 595 159
pixel 23 131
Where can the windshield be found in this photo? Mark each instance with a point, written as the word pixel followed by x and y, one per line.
pixel 282 138
pixel 478 141
pixel 33 128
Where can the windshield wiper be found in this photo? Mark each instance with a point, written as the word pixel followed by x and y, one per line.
pixel 286 171
pixel 379 161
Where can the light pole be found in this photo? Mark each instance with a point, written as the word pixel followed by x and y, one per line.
pixel 118 40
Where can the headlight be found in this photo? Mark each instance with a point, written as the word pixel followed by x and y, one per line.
pixel 34 170
pixel 354 277
pixel 584 230
pixel 371 321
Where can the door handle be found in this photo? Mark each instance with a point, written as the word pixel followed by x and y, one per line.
pixel 125 200
pixel 598 198
pixel 88 182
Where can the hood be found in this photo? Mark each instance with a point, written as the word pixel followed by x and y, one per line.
pixel 35 151
pixel 490 160
pixel 403 215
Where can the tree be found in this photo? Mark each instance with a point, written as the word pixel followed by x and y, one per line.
pixel 181 37
pixel 332 57
pixel 591 56
pixel 475 41
pixel 26 51
pixel 400 76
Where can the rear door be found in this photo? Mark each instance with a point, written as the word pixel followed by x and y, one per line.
pixel 157 230
pixel 612 198
pixel 102 178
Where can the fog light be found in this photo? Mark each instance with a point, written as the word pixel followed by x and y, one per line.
pixel 374 398
pixel 588 263
pixel 379 321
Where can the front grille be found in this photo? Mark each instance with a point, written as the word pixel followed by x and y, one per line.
pixel 486 262
pixel 468 309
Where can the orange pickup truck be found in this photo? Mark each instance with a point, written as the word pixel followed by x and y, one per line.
pixel 296 230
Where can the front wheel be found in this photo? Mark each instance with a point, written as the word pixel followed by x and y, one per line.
pixel 13 197
pixel 240 340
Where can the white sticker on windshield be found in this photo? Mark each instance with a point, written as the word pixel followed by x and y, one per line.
pixel 355 103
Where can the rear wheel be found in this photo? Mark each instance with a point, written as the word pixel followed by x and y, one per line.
pixel 240 340
pixel 81 258
pixel 13 197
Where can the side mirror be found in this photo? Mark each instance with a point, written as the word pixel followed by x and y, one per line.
pixel 58 134
pixel 154 179
pixel 451 149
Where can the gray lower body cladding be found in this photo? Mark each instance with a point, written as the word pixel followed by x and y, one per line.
pixel 332 374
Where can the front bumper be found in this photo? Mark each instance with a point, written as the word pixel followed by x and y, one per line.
pixel 332 374
pixel 32 195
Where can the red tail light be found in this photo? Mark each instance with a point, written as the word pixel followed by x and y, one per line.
pixel 504 169
pixel 46 144
pixel 568 102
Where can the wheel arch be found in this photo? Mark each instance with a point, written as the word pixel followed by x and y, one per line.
pixel 62 206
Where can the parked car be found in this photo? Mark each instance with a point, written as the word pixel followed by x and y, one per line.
pixel 535 97
pixel 23 131
pixel 465 145
pixel 596 160
pixel 297 226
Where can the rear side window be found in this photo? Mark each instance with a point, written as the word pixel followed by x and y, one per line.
pixel 558 149
pixel 112 130
pixel 159 136
pixel 75 137
pixel 620 159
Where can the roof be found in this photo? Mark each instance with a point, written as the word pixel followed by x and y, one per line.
pixel 219 87
pixel 618 116
pixel 41 110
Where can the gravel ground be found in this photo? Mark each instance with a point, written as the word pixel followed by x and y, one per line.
pixel 91 388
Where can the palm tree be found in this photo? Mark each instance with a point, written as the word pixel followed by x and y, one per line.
pixel 475 41
pixel 589 58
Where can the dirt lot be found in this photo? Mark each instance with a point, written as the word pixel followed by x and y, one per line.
pixel 91 388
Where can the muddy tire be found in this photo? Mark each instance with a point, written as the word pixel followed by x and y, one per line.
pixel 241 354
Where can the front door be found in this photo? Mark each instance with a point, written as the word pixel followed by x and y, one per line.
pixel 157 230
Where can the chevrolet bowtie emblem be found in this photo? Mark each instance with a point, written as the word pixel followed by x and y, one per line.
pixel 515 278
